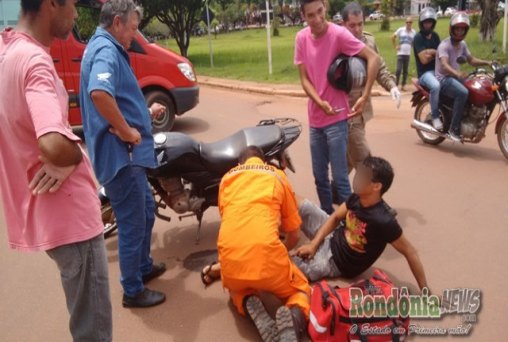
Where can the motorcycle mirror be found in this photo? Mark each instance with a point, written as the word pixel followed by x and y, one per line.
pixel 461 60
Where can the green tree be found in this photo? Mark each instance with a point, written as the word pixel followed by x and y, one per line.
pixel 488 19
pixel 386 9
pixel 223 3
pixel 87 22
pixel 335 6
pixel 179 15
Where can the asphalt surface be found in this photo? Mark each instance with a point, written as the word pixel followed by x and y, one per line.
pixel 449 200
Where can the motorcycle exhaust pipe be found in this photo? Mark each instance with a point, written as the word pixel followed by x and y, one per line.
pixel 421 126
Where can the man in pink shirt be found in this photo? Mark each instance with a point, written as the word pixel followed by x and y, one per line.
pixel 47 188
pixel 316 47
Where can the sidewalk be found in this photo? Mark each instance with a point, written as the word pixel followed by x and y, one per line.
pixel 294 90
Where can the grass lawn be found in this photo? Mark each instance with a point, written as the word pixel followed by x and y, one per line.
pixel 243 55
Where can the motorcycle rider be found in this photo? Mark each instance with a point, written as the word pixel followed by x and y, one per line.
pixel 425 46
pixel 448 71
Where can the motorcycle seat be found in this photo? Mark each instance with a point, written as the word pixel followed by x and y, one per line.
pixel 222 155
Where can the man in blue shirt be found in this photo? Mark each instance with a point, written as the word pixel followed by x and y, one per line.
pixel 117 128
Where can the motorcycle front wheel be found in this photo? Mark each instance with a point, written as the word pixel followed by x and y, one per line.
pixel 502 138
pixel 108 219
pixel 422 114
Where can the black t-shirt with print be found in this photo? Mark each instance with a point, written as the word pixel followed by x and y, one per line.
pixel 359 241
pixel 421 43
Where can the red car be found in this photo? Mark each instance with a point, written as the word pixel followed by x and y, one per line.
pixel 163 76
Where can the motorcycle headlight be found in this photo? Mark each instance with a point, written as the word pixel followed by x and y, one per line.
pixel 187 71
pixel 506 84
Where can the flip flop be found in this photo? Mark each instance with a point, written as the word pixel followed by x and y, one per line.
pixel 206 275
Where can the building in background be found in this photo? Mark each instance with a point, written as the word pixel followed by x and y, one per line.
pixel 418 5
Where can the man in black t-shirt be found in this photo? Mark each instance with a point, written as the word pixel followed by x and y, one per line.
pixel 425 46
pixel 351 239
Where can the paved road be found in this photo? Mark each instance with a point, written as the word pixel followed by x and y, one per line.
pixel 450 203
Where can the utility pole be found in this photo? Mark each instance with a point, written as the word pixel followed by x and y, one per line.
pixel 268 37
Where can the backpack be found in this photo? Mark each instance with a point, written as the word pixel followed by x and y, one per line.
pixel 330 318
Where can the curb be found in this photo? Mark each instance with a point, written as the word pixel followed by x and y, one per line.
pixel 264 88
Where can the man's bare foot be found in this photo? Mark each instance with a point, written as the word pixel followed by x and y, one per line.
pixel 210 273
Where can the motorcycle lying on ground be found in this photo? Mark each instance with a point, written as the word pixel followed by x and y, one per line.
pixel 486 90
pixel 189 172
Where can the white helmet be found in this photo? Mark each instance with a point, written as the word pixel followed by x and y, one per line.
pixel 428 13
pixel 459 19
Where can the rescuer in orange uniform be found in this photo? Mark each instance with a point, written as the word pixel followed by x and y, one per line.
pixel 256 203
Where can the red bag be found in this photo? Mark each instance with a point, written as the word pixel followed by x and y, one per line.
pixel 330 318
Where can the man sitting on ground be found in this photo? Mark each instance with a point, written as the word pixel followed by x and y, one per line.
pixel 350 240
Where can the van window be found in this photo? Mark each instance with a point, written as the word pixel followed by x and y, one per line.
pixel 136 47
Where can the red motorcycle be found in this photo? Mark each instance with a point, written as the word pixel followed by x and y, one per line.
pixel 486 90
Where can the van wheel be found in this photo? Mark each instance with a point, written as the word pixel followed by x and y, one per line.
pixel 165 122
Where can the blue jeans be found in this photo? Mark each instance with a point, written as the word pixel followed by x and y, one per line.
pixel 454 89
pixel 402 66
pixel 134 207
pixel 328 146
pixel 429 80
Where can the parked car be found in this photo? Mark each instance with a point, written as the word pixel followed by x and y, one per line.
pixel 450 11
pixel 163 75
pixel 376 15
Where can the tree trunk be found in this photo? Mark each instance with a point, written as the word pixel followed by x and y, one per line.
pixel 488 20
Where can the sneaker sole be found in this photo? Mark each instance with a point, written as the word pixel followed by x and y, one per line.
pixel 264 323
pixel 285 325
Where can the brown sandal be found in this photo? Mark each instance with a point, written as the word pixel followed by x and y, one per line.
pixel 206 278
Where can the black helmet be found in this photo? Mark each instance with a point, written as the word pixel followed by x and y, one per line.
pixel 459 19
pixel 428 13
pixel 347 73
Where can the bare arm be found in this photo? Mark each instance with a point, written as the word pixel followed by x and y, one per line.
pixel 59 150
pixel 59 157
pixel 108 108
pixel 309 89
pixel 308 250
pixel 394 37
pixel 426 56
pixel 404 247
pixel 449 70
pixel 477 62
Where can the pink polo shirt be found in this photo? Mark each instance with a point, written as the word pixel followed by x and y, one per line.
pixel 317 55
pixel 33 102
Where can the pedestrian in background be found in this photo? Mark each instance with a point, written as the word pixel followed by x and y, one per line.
pixel 402 41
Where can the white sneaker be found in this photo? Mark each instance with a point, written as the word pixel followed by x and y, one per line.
pixel 454 137
pixel 437 124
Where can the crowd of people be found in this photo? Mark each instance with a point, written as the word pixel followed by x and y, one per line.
pixel 44 168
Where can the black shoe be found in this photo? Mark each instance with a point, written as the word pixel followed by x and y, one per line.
pixel 156 271
pixel 144 299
